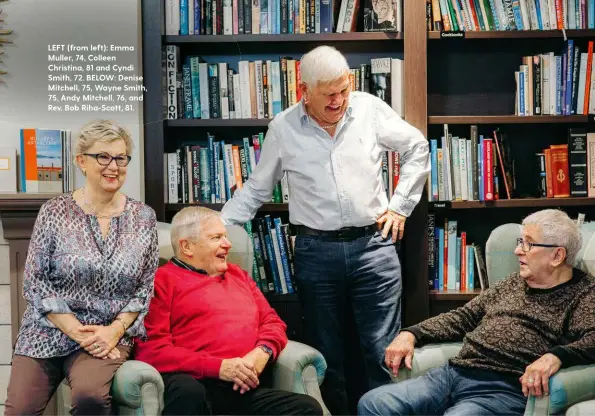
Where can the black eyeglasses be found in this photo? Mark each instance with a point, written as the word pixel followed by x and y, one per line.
pixel 526 246
pixel 104 159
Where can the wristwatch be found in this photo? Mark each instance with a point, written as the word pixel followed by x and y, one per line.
pixel 266 349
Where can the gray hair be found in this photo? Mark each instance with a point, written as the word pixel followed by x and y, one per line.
pixel 557 228
pixel 321 65
pixel 186 224
pixel 101 131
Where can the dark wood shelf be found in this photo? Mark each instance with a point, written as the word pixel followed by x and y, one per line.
pixel 23 201
pixel 515 203
pixel 218 122
pixel 302 37
pixel 270 207
pixel 511 119
pixel 454 294
pixel 521 34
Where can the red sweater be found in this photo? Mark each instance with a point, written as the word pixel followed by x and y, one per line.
pixel 196 321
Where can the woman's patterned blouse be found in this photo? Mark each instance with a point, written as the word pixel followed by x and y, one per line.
pixel 72 268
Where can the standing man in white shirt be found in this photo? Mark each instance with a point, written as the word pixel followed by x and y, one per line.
pixel 330 145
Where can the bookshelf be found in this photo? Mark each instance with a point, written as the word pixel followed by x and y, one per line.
pixel 162 134
pixel 471 82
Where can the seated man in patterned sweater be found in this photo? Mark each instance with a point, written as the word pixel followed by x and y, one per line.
pixel 211 332
pixel 515 335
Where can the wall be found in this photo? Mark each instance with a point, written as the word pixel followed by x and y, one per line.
pixel 24 95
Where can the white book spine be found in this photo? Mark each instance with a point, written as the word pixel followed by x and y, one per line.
pixel 227 17
pixel 592 91
pixel 545 14
pixel 545 81
pixel 463 168
pixel 172 17
pixel 270 87
pixel 341 18
pixel 259 89
pixel 229 166
pixel 397 90
pixel 244 69
pixel 237 96
pixel 553 85
pixel 172 177
pixel 285 188
pixel 191 17
pixel 525 14
pixel 172 92
pixel 582 79
pixel 222 193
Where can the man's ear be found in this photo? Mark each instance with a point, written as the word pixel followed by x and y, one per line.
pixel 187 248
pixel 559 256
pixel 304 89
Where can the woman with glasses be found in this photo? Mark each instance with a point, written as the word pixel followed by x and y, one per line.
pixel 88 281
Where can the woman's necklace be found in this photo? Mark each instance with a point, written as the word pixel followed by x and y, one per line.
pixel 93 210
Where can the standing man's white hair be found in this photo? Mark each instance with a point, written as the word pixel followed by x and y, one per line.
pixel 322 64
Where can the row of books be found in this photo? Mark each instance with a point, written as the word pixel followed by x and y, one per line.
pixel 488 15
pixel 465 169
pixel 45 162
pixel 259 89
pixel 211 173
pixel 556 84
pixel 565 170
pixel 273 268
pixel 451 260
pixel 236 17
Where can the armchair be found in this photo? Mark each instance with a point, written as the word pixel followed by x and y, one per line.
pixel 137 387
pixel 572 390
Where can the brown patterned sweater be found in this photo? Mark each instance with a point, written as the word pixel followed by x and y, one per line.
pixel 509 326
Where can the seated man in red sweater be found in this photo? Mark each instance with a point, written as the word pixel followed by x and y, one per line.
pixel 210 330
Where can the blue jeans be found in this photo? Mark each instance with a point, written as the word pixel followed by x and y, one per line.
pixel 333 275
pixel 448 390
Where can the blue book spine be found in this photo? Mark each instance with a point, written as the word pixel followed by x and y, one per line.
pixel 255 271
pixel 23 180
pixel 186 79
pixel 539 20
pixel 434 169
pixel 226 178
pixel 516 10
pixel 558 85
pixel 326 16
pixel 264 17
pixel 249 166
pixel 591 14
pixel 569 67
pixel 216 151
pixel 470 268
pixel 210 139
pixel 283 253
pixel 277 17
pixel 196 17
pixel 184 17
pixel 522 93
pixel 271 253
pixel 195 81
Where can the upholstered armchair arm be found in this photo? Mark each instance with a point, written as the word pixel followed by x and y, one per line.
pixel 138 389
pixel 567 387
pixel 300 369
pixel 428 357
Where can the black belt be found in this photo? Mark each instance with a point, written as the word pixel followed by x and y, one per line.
pixel 346 233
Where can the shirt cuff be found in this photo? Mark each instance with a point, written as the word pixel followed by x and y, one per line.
pixel 401 206
pixel 212 367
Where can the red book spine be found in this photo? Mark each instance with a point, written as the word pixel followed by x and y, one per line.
pixel 560 178
pixel 488 163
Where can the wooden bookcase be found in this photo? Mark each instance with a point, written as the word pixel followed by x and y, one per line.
pixel 471 82
pixel 162 134
pixel 459 82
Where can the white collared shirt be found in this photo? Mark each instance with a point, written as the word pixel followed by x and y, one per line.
pixel 335 182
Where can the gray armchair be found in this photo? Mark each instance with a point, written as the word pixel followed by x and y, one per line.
pixel 137 388
pixel 572 390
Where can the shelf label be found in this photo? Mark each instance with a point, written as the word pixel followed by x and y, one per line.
pixel 459 34
pixel 441 205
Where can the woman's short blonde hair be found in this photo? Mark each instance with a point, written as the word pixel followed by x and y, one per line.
pixel 101 131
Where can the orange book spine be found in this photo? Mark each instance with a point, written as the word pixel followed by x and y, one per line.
pixel 237 169
pixel 560 178
pixel 29 164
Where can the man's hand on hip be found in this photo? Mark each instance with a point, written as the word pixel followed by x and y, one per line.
pixel 401 348
pixel 536 379
pixel 393 223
